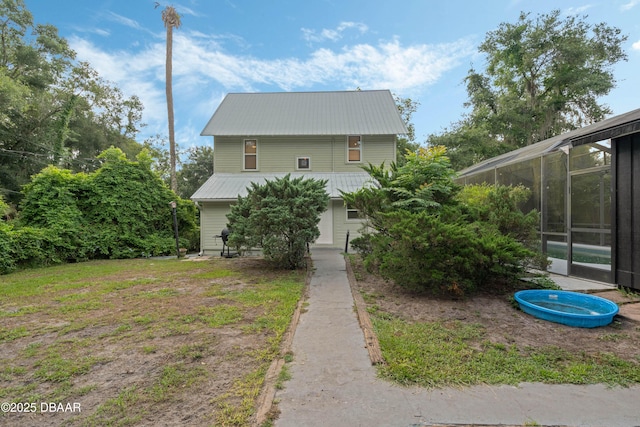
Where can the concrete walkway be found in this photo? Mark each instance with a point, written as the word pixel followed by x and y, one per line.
pixel 334 384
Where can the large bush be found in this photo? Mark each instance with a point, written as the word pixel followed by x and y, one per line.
pixel 23 246
pixel 127 207
pixel 429 234
pixel 120 211
pixel 281 217
pixel 51 203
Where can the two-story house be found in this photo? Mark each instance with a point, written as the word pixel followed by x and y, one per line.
pixel 321 135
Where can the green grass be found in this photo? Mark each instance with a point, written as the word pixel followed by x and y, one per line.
pixel 173 379
pixel 10 334
pixel 436 354
pixel 62 325
pixel 218 316
pixel 283 377
pixel 244 392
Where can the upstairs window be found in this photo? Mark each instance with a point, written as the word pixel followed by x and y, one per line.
pixel 354 149
pixel 303 163
pixel 250 154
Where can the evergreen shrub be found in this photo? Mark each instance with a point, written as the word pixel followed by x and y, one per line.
pixel 427 233
pixel 280 216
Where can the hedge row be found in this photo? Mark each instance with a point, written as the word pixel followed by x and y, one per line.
pixel 119 211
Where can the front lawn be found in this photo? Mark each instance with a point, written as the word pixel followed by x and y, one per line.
pixel 141 342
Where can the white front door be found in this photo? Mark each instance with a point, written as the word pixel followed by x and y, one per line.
pixel 326 227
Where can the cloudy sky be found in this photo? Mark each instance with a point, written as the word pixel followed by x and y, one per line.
pixel 418 49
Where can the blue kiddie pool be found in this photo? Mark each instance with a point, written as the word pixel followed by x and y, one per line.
pixel 569 308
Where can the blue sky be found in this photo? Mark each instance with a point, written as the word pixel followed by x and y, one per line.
pixel 418 49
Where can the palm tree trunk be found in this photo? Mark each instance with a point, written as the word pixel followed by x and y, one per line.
pixel 169 87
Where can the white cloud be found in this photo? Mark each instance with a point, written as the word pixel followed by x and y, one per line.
pixel 577 10
pixel 134 74
pixel 636 45
pixel 99 31
pixel 630 5
pixel 202 71
pixel 184 10
pixel 124 21
pixel 180 8
pixel 387 64
pixel 332 34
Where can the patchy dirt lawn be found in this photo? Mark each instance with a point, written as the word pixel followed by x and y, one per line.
pixel 141 342
pixel 504 324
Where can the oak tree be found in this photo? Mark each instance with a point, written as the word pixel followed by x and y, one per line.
pixel 543 76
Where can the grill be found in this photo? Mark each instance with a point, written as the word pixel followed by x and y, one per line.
pixel 224 235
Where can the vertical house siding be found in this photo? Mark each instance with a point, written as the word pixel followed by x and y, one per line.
pixel 626 166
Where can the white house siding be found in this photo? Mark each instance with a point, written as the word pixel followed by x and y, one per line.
pixel 213 219
pixel 342 225
pixel 278 153
pixel 375 150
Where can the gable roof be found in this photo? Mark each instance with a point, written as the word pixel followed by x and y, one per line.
pixel 228 186
pixel 367 112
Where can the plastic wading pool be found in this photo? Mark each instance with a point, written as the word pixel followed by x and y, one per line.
pixel 569 308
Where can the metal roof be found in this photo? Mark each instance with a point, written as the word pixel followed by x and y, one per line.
pixel 612 127
pixel 228 186
pixel 366 112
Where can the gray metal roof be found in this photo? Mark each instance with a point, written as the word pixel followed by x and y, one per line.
pixel 367 112
pixel 228 186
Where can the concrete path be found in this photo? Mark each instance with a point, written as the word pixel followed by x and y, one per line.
pixel 334 384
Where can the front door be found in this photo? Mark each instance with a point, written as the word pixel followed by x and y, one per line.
pixel 326 227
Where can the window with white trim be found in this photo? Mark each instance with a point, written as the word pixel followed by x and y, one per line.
pixel 353 213
pixel 303 163
pixel 354 149
pixel 250 154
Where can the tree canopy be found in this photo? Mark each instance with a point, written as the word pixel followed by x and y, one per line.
pixel 543 76
pixel 406 108
pixel 54 110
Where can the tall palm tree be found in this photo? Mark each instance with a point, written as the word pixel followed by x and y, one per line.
pixel 171 19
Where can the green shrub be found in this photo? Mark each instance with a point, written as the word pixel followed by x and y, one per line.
pixel 120 211
pixel 499 205
pixel 35 247
pixel 281 217
pixel 421 251
pixel 7 261
pixel 430 235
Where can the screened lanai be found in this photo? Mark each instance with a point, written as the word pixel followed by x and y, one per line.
pixel 586 186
